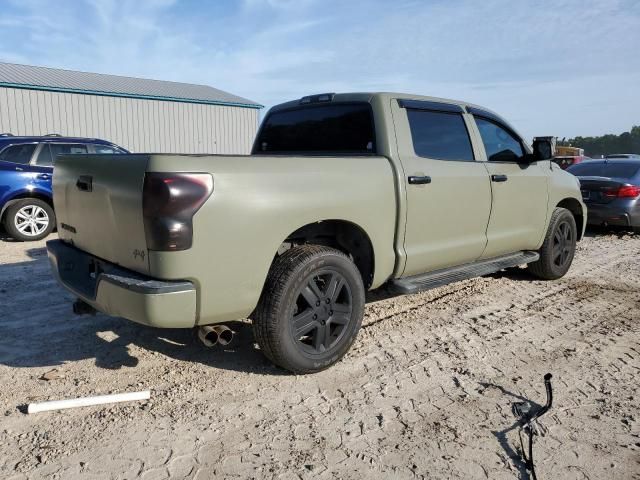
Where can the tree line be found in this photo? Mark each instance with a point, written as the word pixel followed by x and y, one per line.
pixel 627 142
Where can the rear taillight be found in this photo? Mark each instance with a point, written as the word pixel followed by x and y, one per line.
pixel 169 202
pixel 628 191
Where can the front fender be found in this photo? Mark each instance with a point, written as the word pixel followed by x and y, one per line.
pixel 564 188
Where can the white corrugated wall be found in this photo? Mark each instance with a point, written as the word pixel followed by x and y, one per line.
pixel 137 125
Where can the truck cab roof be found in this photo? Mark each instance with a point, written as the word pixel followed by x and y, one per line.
pixel 406 100
pixel 369 97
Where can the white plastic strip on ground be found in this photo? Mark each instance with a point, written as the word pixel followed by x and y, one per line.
pixel 87 401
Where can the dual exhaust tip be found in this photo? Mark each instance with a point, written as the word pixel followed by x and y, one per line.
pixel 212 335
pixel 209 335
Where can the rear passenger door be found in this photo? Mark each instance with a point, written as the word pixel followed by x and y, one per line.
pixel 16 174
pixel 519 189
pixel 448 192
pixel 42 168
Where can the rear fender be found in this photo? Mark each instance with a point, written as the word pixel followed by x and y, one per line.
pixel 24 193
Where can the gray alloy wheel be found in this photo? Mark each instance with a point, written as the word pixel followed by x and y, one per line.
pixel 29 219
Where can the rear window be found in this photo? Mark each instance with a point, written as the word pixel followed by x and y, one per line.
pixel 320 130
pixel 438 135
pixel 601 169
pixel 66 149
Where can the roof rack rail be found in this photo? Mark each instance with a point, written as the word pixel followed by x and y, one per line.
pixel 52 135
pixel 6 134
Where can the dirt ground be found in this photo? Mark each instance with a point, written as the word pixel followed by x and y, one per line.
pixel 426 392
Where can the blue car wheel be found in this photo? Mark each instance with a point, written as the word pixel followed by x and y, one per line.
pixel 29 219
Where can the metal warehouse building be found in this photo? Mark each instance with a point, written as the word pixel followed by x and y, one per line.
pixel 138 114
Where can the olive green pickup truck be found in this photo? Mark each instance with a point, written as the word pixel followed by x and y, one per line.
pixel 342 193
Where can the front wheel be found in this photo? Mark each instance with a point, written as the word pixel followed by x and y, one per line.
pixel 310 310
pixel 558 248
pixel 29 219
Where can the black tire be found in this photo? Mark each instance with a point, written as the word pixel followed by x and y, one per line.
pixel 327 316
pixel 558 248
pixel 17 214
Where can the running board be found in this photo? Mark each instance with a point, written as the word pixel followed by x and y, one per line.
pixel 445 276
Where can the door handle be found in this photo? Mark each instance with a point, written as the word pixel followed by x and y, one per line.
pixel 419 180
pixel 499 178
pixel 44 176
pixel 85 183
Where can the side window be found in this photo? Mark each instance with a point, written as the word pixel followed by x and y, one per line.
pixel 65 149
pixel 18 153
pixel 440 135
pixel 499 143
pixel 105 149
pixel 44 157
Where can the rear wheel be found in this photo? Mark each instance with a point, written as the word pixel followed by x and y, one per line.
pixel 311 309
pixel 558 248
pixel 29 219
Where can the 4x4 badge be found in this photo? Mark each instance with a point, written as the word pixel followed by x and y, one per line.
pixel 139 253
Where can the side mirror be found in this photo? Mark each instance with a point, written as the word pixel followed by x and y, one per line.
pixel 544 148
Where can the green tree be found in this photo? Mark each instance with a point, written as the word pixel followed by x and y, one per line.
pixel 626 142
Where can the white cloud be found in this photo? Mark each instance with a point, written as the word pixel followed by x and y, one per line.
pixel 554 67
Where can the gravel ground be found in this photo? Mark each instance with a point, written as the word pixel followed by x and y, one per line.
pixel 426 392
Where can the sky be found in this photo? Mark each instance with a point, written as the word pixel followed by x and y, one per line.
pixel 563 67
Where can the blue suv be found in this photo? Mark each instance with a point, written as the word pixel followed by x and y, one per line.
pixel 26 169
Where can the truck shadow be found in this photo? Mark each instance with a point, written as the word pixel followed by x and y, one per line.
pixel 38 329
pixel 241 355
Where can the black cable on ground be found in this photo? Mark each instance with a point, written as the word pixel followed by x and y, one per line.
pixel 530 459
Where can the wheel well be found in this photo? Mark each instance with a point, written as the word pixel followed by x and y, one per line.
pixel 575 208
pixel 341 235
pixel 21 196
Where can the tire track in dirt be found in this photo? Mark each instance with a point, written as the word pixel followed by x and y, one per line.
pixel 425 393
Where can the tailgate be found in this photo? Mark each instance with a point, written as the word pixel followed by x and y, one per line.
pixel 98 203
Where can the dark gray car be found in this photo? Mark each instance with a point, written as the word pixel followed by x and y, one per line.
pixel 611 190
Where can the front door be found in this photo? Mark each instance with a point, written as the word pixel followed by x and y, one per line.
pixel 519 191
pixel 448 192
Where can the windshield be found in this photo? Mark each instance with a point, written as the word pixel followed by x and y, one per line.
pixel 604 169
pixel 320 130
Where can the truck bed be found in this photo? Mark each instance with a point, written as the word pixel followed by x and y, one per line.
pixel 257 202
